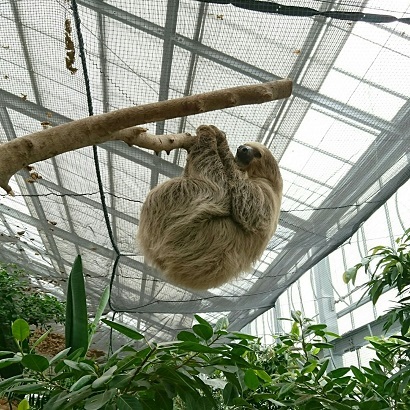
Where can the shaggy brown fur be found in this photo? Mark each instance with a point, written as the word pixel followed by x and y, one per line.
pixel 209 225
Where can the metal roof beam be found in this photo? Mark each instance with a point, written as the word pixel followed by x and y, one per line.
pixel 238 65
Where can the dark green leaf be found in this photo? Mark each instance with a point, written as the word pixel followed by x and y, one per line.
pixel 251 379
pixel 35 362
pixel 99 400
pixel 229 393
pixel 28 388
pixel 186 336
pixel 358 374
pixel 323 345
pixel 128 402
pixel 126 331
pixel 76 328
pixel 349 388
pixel 242 336
pixel 196 347
pixel 319 326
pixel 322 370
pixel 337 373
pixel 202 321
pixel 203 331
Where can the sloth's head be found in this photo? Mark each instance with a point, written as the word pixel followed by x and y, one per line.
pixel 258 162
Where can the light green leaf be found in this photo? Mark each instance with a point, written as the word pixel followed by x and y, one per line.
pixel 9 361
pixel 263 375
pixel 60 355
pixel 20 329
pixel 23 405
pixel 126 331
pixel 41 338
pixel 221 324
pixel 105 297
pixel 97 383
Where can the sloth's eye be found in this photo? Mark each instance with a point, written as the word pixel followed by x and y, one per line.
pixel 256 153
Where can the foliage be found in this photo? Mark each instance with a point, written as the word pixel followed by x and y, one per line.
pixel 18 301
pixel 212 367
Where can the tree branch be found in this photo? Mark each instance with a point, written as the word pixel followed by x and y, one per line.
pixel 115 125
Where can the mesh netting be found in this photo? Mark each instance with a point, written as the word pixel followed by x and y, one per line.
pixel 342 139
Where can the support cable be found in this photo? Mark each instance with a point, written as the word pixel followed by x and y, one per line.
pixel 95 153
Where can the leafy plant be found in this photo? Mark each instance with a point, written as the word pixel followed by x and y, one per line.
pixel 19 301
pixel 212 367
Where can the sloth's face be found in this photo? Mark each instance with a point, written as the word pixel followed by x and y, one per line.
pixel 245 154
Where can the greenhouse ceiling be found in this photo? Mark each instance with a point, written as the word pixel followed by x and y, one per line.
pixel 342 139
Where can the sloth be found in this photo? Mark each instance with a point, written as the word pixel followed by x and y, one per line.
pixel 213 223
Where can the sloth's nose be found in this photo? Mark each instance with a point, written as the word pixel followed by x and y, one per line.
pixel 243 148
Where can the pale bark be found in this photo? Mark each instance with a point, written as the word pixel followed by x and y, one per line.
pixel 115 125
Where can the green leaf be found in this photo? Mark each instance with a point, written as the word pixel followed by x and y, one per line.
pixel 221 324
pixel 60 355
pixel 229 393
pixel 251 379
pixel 196 347
pixel 309 367
pixel 295 330
pixel 241 336
pixel 186 336
pixel 28 389
pixel 97 383
pixel 203 331
pixel 20 329
pixel 99 400
pixel 337 373
pixel 105 297
pixel 9 361
pixel 319 326
pixel 350 275
pixel 322 370
pixel 35 362
pixel 202 321
pixel 323 345
pixel 358 374
pixel 76 326
pixel 81 382
pixel 263 375
pixel 23 405
pixel 349 388
pixel 41 339
pixel 127 402
pixel 126 331
pixel 296 315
